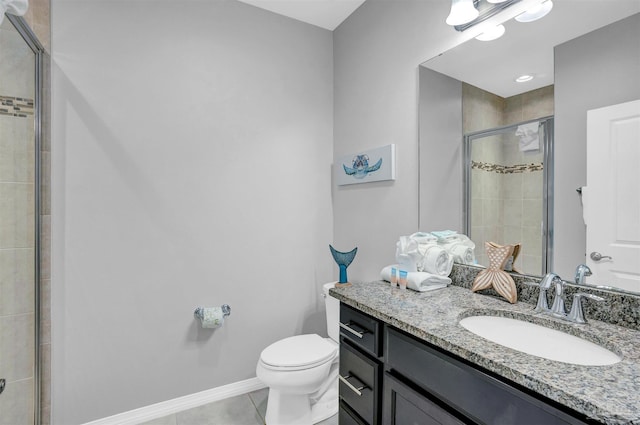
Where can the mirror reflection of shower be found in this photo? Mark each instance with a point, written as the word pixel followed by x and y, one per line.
pixel 507 173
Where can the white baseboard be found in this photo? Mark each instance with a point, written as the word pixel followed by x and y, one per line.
pixel 165 408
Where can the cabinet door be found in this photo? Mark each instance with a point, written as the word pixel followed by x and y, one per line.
pixel 404 406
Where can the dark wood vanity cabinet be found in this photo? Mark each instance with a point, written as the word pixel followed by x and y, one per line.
pixel 392 378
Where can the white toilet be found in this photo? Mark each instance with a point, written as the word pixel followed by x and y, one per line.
pixel 302 373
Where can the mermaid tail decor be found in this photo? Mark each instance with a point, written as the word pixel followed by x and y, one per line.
pixel 343 259
pixel 494 276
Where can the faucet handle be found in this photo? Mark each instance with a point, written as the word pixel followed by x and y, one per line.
pixel 558 308
pixel 545 284
pixel 577 313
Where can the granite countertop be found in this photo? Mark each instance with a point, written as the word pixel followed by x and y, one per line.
pixel 609 394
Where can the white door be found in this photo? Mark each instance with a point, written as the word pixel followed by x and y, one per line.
pixel 612 197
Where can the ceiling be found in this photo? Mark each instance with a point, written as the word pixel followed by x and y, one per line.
pixel 326 14
pixel 527 48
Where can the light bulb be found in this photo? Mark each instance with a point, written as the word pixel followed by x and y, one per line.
pixel 462 11
pixel 535 12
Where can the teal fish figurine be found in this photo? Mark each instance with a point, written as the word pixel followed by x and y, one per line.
pixel 343 259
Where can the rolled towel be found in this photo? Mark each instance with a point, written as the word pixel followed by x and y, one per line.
pixel 418 281
pixel 461 253
pixel 444 234
pixel 437 261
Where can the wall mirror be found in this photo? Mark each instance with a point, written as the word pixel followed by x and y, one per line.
pixel 470 104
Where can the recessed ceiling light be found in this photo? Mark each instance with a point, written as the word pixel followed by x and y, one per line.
pixel 524 78
pixel 492 33
pixel 535 12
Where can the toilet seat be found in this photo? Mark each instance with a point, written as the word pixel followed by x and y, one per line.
pixel 298 353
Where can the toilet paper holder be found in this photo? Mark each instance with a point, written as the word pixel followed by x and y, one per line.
pixel 199 313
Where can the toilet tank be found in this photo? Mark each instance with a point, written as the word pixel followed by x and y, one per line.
pixel 333 312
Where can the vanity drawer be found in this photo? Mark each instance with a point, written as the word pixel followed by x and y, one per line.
pixel 359 382
pixel 361 329
pixel 346 416
pixel 478 396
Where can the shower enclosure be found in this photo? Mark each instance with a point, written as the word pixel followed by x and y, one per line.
pixel 509 191
pixel 20 98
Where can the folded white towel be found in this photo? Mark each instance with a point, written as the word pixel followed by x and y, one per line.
pixel 528 135
pixel 419 281
pixel 14 7
pixel 585 203
pixel 436 261
pixel 444 234
pixel 407 254
pixel 424 238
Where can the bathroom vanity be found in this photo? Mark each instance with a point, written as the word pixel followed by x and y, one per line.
pixel 404 358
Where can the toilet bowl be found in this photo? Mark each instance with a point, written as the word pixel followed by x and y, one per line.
pixel 302 373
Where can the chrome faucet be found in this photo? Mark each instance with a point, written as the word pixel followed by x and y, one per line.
pixel 582 271
pixel 558 308
pixel 576 314
pixel 545 285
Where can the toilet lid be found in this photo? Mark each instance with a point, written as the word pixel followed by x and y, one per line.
pixel 299 352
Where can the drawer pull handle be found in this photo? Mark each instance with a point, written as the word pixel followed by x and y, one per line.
pixel 353 331
pixel 357 390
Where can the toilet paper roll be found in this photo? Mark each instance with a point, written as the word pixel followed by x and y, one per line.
pixel 212 317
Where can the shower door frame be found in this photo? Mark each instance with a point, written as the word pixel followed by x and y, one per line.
pixel 547 186
pixel 34 44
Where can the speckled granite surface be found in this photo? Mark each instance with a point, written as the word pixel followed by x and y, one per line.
pixel 609 394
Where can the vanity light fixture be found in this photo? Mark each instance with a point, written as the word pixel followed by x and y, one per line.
pixel 492 33
pixel 467 13
pixel 462 11
pixel 524 78
pixel 536 12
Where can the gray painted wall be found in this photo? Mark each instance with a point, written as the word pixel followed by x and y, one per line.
pixel 192 151
pixel 376 55
pixel 441 151
pixel 596 70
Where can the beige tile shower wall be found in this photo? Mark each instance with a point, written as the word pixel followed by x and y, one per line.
pixel 17 191
pixel 39 19
pixel 528 106
pixel 482 110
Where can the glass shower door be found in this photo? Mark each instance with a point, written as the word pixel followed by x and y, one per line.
pixel 509 191
pixel 18 246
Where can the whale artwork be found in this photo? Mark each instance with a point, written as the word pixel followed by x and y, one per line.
pixel 343 259
pixel 366 166
pixel 360 167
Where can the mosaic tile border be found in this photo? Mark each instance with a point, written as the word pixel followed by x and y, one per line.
pixel 16 106
pixel 507 169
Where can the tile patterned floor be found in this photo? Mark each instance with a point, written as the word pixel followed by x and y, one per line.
pixel 246 409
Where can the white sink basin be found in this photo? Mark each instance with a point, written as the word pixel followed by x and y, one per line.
pixel 539 341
